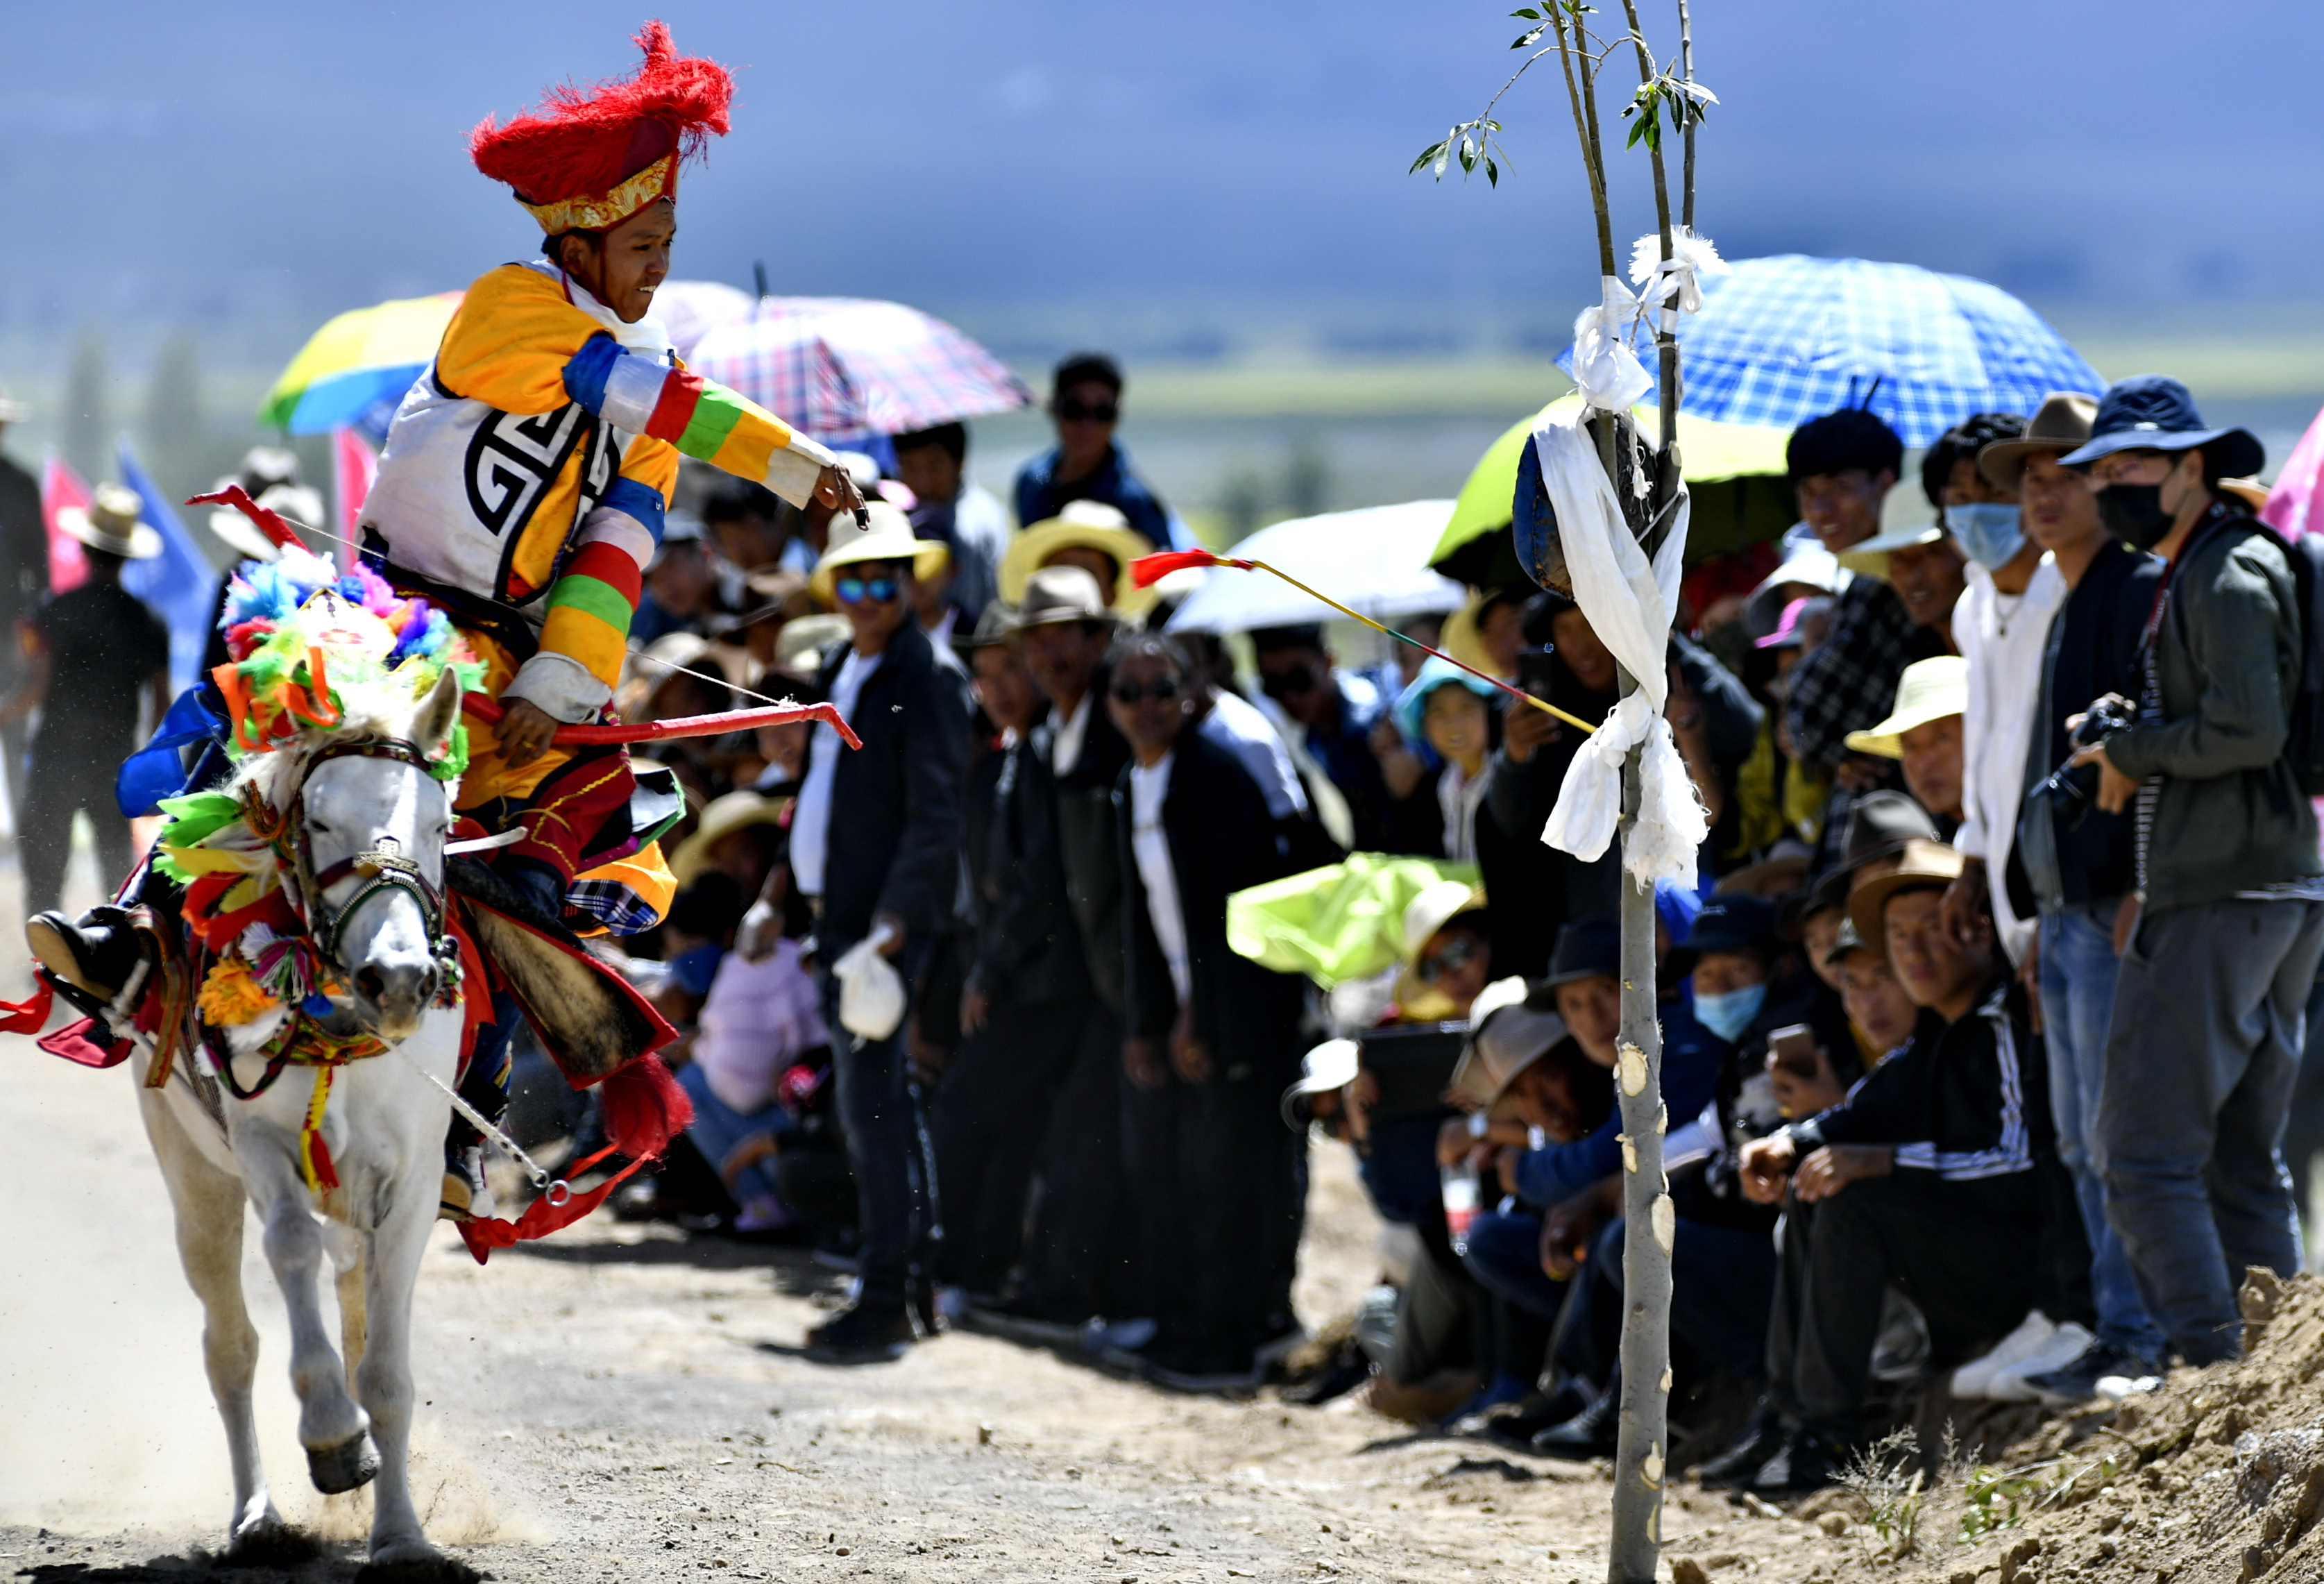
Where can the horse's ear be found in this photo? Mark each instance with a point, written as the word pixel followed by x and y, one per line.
pixel 440 713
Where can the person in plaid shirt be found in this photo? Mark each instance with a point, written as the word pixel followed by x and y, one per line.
pixel 1843 464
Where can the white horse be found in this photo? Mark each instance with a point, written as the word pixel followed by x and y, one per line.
pixel 361 788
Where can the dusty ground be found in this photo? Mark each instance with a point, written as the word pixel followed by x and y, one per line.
pixel 623 1403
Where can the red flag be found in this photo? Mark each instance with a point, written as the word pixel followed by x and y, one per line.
pixel 355 467
pixel 62 488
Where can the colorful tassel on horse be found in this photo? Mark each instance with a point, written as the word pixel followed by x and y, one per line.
pixel 644 1109
pixel 314 1155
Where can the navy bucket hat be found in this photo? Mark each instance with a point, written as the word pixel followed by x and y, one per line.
pixel 2153 412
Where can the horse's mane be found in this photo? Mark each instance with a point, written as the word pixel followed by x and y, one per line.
pixel 374 706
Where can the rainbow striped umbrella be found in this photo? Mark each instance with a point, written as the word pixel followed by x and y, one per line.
pixel 354 371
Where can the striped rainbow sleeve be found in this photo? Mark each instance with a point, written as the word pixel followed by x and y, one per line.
pixel 702 418
pixel 596 596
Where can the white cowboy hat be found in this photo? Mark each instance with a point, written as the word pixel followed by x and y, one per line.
pixel 110 524
pixel 885 534
pixel 1930 689
pixel 1505 1036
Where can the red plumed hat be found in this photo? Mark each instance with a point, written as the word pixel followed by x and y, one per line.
pixel 590 158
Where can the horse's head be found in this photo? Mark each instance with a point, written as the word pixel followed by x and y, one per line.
pixel 373 823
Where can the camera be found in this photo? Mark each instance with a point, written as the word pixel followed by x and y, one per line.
pixel 2106 717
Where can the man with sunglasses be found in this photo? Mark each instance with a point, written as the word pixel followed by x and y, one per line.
pixel 1213 1038
pixel 1335 712
pixel 891 863
pixel 1087 463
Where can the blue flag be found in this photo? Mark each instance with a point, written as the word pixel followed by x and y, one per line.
pixel 179 583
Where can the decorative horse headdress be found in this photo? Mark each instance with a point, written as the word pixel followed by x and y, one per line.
pixel 590 158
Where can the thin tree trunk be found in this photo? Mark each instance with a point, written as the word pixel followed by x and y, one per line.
pixel 1686 72
pixel 1642 1453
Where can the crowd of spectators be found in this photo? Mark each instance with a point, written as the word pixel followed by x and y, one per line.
pixel 1979 1030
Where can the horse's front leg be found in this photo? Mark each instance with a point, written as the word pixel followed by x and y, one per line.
pixel 339 1451
pixel 391 1268
pixel 207 1205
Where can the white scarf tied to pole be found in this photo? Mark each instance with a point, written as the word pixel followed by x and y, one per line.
pixel 1630 604
pixel 1604 367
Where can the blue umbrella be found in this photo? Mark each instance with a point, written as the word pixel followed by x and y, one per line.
pixel 1783 340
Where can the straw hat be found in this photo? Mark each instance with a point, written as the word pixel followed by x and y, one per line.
pixel 737 811
pixel 1930 689
pixel 110 523
pixel 1505 1036
pixel 1924 866
pixel 885 534
pixel 1053 595
pixel 1082 525
pixel 804 642
pixel 1870 557
pixel 1435 907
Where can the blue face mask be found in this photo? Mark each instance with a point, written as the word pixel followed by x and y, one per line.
pixel 1730 1014
pixel 1988 532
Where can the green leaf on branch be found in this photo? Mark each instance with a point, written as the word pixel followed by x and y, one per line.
pixel 1529 36
pixel 1426 154
pixel 1528 12
pixel 1493 172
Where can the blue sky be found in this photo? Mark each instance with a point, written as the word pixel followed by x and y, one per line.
pixel 246 165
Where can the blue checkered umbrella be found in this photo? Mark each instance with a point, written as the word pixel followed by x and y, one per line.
pixel 1782 340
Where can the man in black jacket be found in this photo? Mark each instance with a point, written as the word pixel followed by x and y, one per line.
pixel 1082 1259
pixel 2209 1009
pixel 1027 996
pixel 875 843
pixel 1936 1175
pixel 1213 1038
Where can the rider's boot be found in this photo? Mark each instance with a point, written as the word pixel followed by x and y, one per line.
pixel 95 954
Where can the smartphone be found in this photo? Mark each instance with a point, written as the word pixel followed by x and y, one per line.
pixel 1535 674
pixel 1793 1049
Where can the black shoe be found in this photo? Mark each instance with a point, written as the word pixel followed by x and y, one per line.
pixel 95 956
pixel 869 1333
pixel 927 1319
pixel 1529 1416
pixel 1763 1436
pixel 1806 1461
pixel 2073 1385
pixel 1590 1433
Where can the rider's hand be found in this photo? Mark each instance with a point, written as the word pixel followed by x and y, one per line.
pixel 836 487
pixel 524 732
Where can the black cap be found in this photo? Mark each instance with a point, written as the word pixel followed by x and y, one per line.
pixel 1728 922
pixel 1588 949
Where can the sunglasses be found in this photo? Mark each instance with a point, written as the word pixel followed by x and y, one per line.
pixel 856 591
pixel 1162 689
pixel 1450 958
pixel 1298 680
pixel 1073 412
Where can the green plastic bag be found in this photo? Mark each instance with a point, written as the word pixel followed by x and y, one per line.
pixel 1337 923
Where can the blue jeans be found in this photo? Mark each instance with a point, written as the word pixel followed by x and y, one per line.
pixel 888 1146
pixel 718 1130
pixel 2209 1017
pixel 2078 968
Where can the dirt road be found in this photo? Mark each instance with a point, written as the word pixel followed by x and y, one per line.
pixel 625 1403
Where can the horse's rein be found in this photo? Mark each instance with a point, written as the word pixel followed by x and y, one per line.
pixel 382 867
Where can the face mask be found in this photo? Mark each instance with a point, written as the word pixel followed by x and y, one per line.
pixel 2134 513
pixel 1730 1014
pixel 1988 532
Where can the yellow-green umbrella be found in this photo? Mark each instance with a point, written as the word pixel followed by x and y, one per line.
pixel 1711 450
pixel 363 359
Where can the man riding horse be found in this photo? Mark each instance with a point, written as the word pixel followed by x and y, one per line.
pixel 522 490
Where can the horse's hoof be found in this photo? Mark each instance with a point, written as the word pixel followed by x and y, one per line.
pixel 430 1567
pixel 346 1467
pixel 272 1544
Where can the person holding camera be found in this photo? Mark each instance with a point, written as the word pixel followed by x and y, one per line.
pixel 2220 946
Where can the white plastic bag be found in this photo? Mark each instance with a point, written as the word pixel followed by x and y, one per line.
pixel 870 991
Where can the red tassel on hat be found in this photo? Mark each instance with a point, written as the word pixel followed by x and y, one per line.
pixel 644 1109
pixel 584 143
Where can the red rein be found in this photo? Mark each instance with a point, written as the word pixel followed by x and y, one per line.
pixel 685 726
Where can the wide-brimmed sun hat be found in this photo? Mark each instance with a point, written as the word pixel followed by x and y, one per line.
pixel 736 810
pixel 1082 525
pixel 110 523
pixel 1505 1036
pixel 1926 865
pixel 1929 689
pixel 2154 412
pixel 1433 907
pixel 2062 423
pixel 1870 556
pixel 885 534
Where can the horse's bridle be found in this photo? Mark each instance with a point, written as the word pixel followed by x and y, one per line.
pixel 382 867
